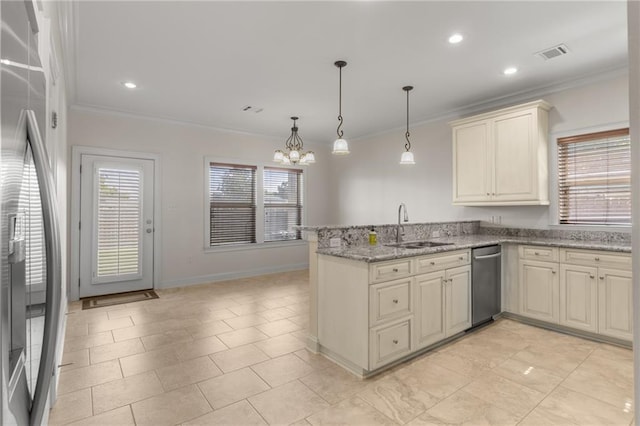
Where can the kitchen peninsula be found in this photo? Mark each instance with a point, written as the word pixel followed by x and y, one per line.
pixel 375 306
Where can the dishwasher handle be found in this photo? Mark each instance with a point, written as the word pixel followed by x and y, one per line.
pixel 488 256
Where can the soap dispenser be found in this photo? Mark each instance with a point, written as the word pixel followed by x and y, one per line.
pixel 373 237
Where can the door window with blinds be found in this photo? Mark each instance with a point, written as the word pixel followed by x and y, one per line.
pixel 594 178
pixel 250 204
pixel 117 223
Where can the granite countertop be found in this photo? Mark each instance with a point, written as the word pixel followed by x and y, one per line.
pixel 381 252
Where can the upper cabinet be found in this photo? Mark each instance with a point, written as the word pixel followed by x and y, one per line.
pixel 500 158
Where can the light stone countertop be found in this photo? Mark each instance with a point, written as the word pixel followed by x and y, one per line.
pixel 381 252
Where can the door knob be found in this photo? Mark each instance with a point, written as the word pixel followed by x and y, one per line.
pixel 395 269
pixel 395 301
pixel 395 341
pixel 149 230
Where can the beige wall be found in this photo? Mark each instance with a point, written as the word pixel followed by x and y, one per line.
pixel 370 184
pixel 182 149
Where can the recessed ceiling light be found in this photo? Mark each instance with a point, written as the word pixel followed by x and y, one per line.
pixel 456 38
pixel 129 84
pixel 510 71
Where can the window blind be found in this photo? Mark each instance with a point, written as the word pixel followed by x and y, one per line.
pixel 31 205
pixel 232 204
pixel 119 222
pixel 282 204
pixel 594 178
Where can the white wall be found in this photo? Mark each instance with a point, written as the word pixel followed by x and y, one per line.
pixel 182 148
pixel 370 184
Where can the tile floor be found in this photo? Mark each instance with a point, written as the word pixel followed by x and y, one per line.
pixel 232 353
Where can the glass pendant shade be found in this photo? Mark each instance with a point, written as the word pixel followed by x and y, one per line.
pixel 340 147
pixel 407 158
pixel 286 161
pixel 294 155
pixel 309 157
pixel 278 156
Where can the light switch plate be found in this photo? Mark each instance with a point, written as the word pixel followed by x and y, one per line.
pixel 334 242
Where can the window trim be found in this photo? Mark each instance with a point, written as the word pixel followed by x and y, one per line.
pixel 260 243
pixel 570 135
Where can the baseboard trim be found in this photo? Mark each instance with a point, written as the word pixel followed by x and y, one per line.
pixel 567 330
pixel 225 276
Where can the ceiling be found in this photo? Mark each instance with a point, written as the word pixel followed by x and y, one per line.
pixel 202 62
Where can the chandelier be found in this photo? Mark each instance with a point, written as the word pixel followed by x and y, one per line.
pixel 293 153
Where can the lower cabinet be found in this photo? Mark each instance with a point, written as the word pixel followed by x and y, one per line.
pixel 443 305
pixel 539 290
pixel 592 291
pixel 615 303
pixel 579 297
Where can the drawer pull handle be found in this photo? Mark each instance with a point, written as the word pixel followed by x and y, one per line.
pixel 591 276
pixel 461 258
pixel 536 253
pixel 597 259
pixel 395 341
pixel 487 193
pixel 395 301
pixel 395 269
pixel 553 271
pixel 432 263
pixel 602 278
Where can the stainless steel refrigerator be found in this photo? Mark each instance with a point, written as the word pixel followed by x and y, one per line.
pixel 30 262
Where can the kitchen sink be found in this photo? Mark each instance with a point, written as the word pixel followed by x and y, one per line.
pixel 418 244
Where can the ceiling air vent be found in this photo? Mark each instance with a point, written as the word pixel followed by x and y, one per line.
pixel 553 52
pixel 250 108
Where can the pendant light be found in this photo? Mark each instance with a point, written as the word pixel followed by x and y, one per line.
pixel 293 153
pixel 340 146
pixel 407 156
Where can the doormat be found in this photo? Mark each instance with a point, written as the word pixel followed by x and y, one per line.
pixel 118 299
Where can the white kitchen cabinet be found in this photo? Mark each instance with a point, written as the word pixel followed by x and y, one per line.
pixel 443 305
pixel 539 290
pixel 430 304
pixel 615 303
pixel 457 300
pixel 500 158
pixel 372 314
pixel 579 297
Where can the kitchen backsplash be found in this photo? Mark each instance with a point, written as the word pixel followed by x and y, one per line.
pixel 359 235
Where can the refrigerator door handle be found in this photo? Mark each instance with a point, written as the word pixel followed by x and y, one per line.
pixel 53 266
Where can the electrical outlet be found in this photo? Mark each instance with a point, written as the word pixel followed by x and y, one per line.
pixel 334 242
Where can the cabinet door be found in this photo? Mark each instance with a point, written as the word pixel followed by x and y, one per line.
pixel 579 297
pixel 539 288
pixel 615 316
pixel 515 170
pixel 471 162
pixel 429 309
pixel 457 300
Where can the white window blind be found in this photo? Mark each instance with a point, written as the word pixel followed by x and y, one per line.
pixel 119 223
pixel 282 203
pixel 594 178
pixel 232 204
pixel 31 205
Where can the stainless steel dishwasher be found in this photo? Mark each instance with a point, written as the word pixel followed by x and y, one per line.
pixel 485 284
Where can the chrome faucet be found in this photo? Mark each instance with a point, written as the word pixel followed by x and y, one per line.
pixel 406 219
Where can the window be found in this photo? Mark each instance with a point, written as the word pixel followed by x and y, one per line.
pixel 232 204
pixel 594 178
pixel 282 203
pixel 252 204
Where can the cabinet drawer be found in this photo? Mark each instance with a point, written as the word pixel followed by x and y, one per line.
pixel 441 261
pixel 596 258
pixel 385 271
pixel 389 301
pixel 389 343
pixel 549 254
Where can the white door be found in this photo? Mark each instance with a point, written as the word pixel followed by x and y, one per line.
pixel 579 297
pixel 116 225
pixel 539 290
pixel 458 300
pixel 615 303
pixel 471 156
pixel 429 309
